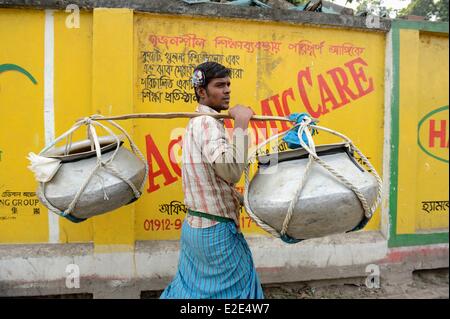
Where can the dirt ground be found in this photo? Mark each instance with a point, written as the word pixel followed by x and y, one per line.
pixel 426 284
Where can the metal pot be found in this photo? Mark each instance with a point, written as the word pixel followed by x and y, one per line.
pixel 104 192
pixel 325 205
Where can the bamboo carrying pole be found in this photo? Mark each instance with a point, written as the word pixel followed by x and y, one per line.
pixel 174 115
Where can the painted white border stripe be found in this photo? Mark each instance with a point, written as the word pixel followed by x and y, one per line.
pixel 49 112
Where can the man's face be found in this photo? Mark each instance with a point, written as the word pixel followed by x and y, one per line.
pixel 217 95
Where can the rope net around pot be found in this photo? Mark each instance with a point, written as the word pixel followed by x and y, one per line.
pixel 91 123
pixel 304 128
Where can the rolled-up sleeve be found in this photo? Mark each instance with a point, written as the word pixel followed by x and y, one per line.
pixel 231 164
pixel 227 159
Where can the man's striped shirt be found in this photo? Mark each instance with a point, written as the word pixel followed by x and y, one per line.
pixel 205 143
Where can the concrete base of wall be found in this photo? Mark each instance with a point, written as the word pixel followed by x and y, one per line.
pixel 41 269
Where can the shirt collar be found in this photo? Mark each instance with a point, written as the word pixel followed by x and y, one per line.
pixel 206 109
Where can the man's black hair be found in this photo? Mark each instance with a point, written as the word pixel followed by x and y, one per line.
pixel 211 70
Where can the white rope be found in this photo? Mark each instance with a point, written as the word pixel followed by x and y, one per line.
pixel 304 126
pixel 250 212
pixel 294 201
pixel 68 144
pixel 370 211
pixel 310 148
pixel 135 151
pixel 106 165
pixel 80 191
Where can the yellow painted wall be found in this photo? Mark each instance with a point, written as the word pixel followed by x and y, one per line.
pixel 424 130
pixel 22 218
pixel 112 93
pixel 103 66
pixel 167 46
pixel 73 94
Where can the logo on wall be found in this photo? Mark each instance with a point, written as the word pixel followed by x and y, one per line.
pixel 433 134
pixel 15 67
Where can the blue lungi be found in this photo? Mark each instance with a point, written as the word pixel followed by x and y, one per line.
pixel 214 263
